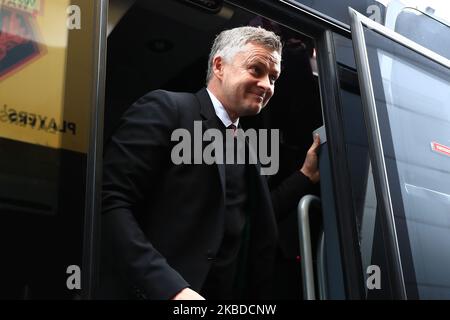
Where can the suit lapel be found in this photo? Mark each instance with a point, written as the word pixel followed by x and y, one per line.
pixel 210 121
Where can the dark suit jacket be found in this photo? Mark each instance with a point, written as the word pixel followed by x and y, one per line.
pixel 162 223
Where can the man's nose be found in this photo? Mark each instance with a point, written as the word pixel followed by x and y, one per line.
pixel 265 83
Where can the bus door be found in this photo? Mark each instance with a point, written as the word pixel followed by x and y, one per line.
pixel 50 104
pixel 405 89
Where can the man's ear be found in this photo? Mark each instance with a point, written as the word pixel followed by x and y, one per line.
pixel 218 65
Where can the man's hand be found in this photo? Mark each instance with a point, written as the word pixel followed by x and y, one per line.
pixel 187 294
pixel 310 167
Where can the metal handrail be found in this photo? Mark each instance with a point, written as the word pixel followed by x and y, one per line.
pixel 306 261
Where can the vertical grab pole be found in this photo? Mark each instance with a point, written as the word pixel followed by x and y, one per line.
pixel 306 260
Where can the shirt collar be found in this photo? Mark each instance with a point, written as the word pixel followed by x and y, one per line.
pixel 221 112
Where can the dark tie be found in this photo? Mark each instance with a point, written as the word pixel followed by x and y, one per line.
pixel 232 126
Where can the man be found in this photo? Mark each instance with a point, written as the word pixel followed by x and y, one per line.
pixel 189 231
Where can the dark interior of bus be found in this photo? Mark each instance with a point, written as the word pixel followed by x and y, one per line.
pixel 165 45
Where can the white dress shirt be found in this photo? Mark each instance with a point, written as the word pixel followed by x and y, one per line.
pixel 221 112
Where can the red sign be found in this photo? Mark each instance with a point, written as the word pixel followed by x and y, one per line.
pixel 440 148
pixel 18 40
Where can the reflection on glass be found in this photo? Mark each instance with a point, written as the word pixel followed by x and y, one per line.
pixel 424 30
pixel 417 103
pixel 368 222
pixel 47 76
pixel 426 193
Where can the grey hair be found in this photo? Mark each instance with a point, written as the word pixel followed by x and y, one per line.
pixel 230 42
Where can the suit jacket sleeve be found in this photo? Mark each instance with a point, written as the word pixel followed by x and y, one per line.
pixel 137 152
pixel 287 194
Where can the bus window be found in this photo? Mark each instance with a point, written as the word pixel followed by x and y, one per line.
pixel 370 232
pixel 408 117
pixel 48 75
pixel 425 30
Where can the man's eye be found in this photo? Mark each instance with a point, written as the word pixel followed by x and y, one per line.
pixel 255 70
pixel 273 79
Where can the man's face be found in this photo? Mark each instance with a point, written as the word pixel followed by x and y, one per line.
pixel 248 80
